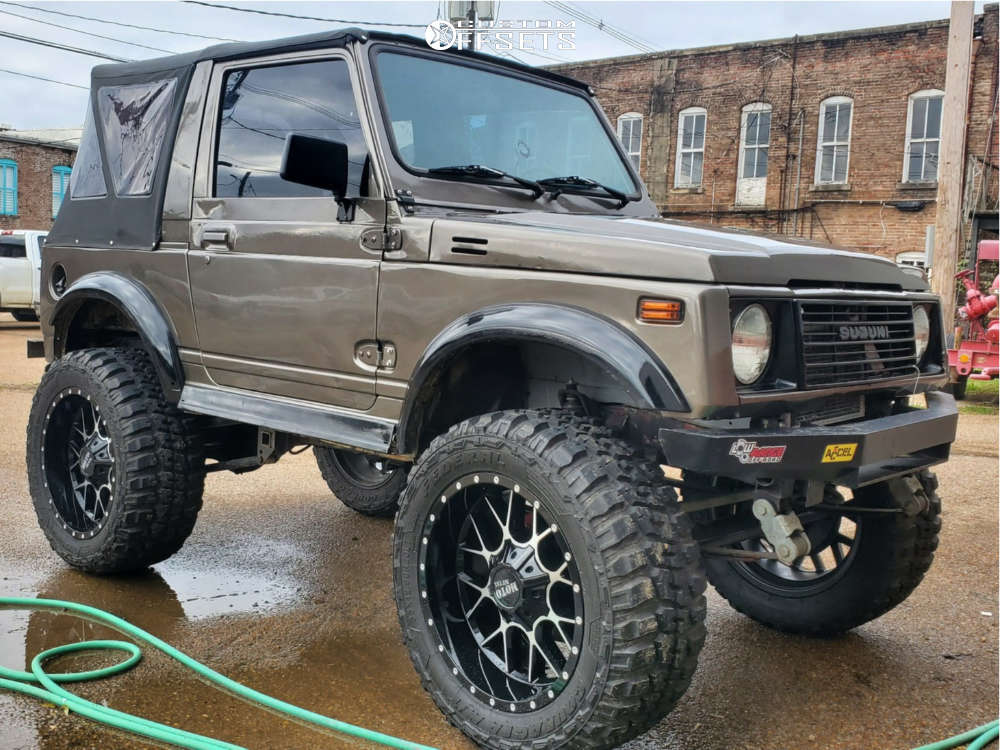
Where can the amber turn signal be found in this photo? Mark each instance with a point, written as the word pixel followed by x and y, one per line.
pixel 661 311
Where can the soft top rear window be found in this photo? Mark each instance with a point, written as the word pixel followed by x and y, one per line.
pixel 134 120
pixel 87 178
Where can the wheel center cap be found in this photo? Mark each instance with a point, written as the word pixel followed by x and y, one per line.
pixel 505 586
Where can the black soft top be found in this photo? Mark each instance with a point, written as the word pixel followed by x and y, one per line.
pixel 119 178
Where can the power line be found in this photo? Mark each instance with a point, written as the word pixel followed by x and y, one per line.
pixel 43 78
pixel 125 25
pixel 304 18
pixel 597 23
pixel 87 33
pixel 64 47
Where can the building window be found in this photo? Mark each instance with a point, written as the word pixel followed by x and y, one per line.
pixel 8 187
pixel 914 258
pixel 690 147
pixel 60 183
pixel 833 147
pixel 630 134
pixel 755 138
pixel 923 136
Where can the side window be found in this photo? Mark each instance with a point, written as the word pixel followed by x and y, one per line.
pixel 60 181
pixel 8 187
pixel 261 106
pixel 12 247
pixel 690 147
pixel 630 134
pixel 833 146
pixel 923 136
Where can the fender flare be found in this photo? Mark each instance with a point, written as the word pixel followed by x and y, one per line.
pixel 137 306
pixel 619 352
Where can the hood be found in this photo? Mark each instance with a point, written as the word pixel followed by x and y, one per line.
pixel 655 248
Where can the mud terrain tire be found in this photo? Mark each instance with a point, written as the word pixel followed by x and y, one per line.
pixel 152 463
pixel 640 580
pixel 894 551
pixel 367 491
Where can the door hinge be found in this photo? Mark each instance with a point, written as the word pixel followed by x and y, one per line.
pixel 375 355
pixel 382 238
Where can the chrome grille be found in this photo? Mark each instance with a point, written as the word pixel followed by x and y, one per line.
pixel 851 342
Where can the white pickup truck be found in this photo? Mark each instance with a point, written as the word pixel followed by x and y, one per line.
pixel 20 270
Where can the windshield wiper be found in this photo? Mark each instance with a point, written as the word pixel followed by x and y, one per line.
pixel 478 170
pixel 573 181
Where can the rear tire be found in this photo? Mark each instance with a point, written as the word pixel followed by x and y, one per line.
pixel 115 472
pixel 586 536
pixel 366 484
pixel 885 561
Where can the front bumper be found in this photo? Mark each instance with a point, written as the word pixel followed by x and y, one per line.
pixel 851 455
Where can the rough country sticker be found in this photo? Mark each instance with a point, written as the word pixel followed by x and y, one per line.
pixel 748 452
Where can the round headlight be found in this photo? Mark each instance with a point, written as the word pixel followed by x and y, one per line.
pixel 751 343
pixel 921 330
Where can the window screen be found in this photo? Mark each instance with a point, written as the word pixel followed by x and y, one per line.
pixel 261 106
pixel 135 121
pixel 88 174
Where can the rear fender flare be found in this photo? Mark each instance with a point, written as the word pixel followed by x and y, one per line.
pixel 138 307
pixel 619 353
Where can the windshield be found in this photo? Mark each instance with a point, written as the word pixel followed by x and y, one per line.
pixel 444 114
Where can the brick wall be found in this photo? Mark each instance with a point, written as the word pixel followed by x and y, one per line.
pixel 877 68
pixel 34 182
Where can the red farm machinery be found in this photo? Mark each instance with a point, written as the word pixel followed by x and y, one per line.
pixel 976 352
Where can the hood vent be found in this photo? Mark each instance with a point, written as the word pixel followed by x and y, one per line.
pixel 469 245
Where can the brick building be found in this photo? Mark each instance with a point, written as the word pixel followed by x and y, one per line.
pixel 832 137
pixel 34 173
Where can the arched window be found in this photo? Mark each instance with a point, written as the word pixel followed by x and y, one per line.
pixel 923 136
pixel 914 258
pixel 755 140
pixel 690 147
pixel 630 134
pixel 8 187
pixel 833 144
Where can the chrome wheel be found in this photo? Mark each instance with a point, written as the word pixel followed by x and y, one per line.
pixel 501 592
pixel 78 463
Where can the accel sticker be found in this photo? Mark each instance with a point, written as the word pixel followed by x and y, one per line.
pixel 839 452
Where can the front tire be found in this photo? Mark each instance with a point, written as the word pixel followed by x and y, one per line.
pixel 858 570
pixel 115 474
pixel 548 588
pixel 367 484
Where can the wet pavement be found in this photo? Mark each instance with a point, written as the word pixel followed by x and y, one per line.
pixel 284 589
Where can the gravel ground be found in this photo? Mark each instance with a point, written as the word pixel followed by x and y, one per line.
pixel 283 588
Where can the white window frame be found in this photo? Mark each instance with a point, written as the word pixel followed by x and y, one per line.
pixel 913 259
pixel 681 150
pixel 922 94
pixel 820 142
pixel 756 196
pixel 632 117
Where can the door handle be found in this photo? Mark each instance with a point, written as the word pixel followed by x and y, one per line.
pixel 216 239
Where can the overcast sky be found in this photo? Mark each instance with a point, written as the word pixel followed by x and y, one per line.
pixel 28 103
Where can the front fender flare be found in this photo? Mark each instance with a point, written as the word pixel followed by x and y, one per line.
pixel 622 355
pixel 138 307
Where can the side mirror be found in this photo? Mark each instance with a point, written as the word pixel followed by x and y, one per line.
pixel 315 162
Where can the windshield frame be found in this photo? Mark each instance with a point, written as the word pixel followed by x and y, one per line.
pixel 518 194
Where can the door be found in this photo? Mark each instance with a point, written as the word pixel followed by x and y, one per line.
pixel 15 271
pixel 755 136
pixel 282 289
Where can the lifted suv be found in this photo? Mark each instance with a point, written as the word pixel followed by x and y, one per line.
pixel 441 271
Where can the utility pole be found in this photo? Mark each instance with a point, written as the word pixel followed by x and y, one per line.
pixel 951 160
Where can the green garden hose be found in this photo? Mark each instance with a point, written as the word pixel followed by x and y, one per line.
pixel 977 738
pixel 46 687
